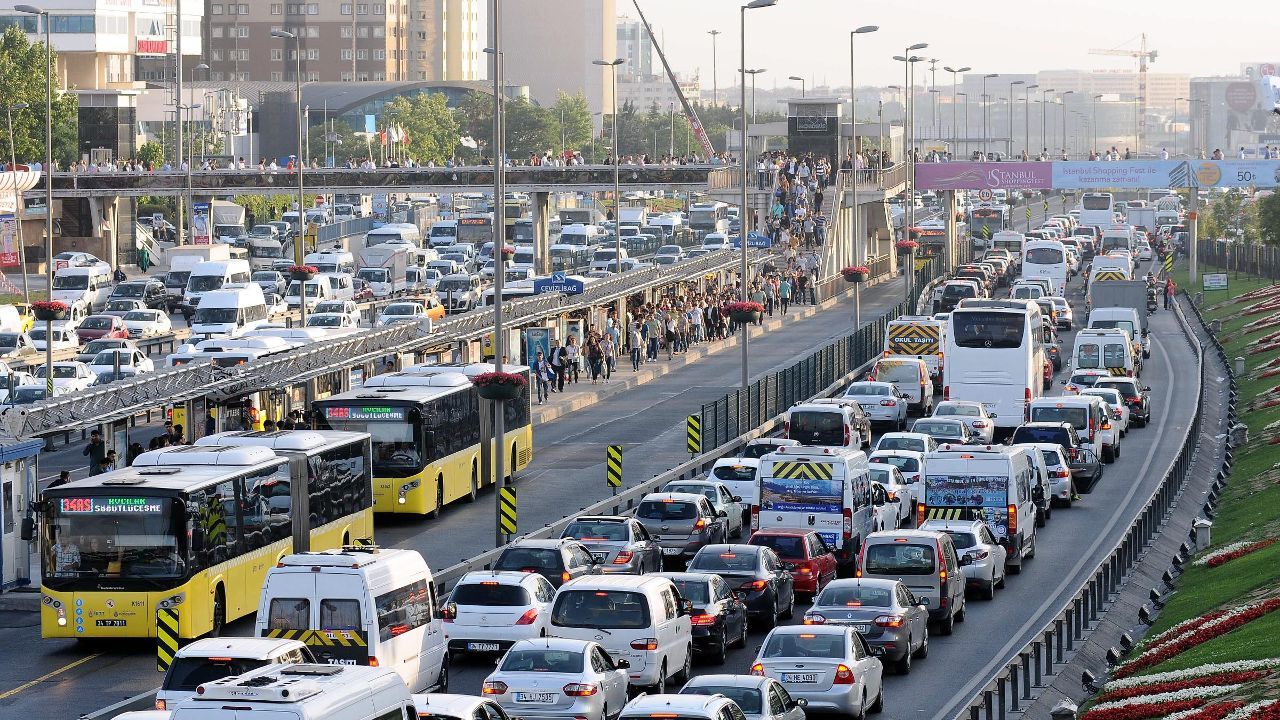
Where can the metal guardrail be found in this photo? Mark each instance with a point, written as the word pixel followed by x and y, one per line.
pixel 1014 684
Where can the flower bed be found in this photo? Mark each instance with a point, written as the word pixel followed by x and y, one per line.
pixel 1230 552
pixel 743 307
pixel 1221 625
pixel 1169 686
pixel 1199 671
pixel 1140 711
pixel 499 378
pixel 1261 710
pixel 856 273
pixel 1215 711
pixel 906 246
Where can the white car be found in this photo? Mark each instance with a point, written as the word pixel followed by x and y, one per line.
pixel 105 361
pixel 830 666
pixel 716 241
pixel 69 376
pixel 1144 250
pixel 147 323
pixel 974 414
pixel 897 488
pixel 1055 460
pixel 910 463
pixel 401 312
pixel 14 345
pixel 78 259
pixel 739 475
pixel 122 306
pixel 721 497
pixel 558 678
pixel 27 394
pixel 1119 409
pixel 446 706
pixel 981 555
pixel 1066 318
pixel 331 321
pixel 674 251
pixel 883 402
pixel 63 338
pixel 489 610
pixel 886 512
pixel 759 698
pixel 916 442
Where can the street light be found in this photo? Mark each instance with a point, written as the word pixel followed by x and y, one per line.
pixel 17 201
pixel 715 87
pixel 909 88
pixel 1062 115
pixel 1044 104
pixel 965 95
pixel 743 209
pixel 1011 84
pixel 954 72
pixel 986 101
pixel 48 185
pixel 300 239
pixel 858 250
pixel 617 147
pixel 753 73
pixel 1096 98
pixel 792 77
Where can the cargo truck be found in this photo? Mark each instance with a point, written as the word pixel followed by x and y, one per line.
pixel 383 267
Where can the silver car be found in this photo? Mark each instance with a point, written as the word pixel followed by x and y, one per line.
pixel 883 402
pixel 974 414
pixel 558 678
pixel 720 496
pixel 830 666
pixel 619 544
pixel 981 555
pixel 759 698
pixel 682 523
pixel 884 612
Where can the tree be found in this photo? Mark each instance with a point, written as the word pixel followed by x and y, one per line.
pixel 1269 219
pixel 151 152
pixel 22 66
pixel 341 141
pixel 431 126
pixel 572 116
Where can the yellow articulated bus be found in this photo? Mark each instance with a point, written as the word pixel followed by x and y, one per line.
pixel 194 529
pixel 425 424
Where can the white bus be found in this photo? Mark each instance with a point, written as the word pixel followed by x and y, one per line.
pixel 1097 209
pixel 994 356
pixel 1046 259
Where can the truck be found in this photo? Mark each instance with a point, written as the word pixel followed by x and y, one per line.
pixel 633 216
pixel 1143 217
pixel 227 219
pixel 383 267
pixel 1168 210
pixel 580 216
pixel 1124 294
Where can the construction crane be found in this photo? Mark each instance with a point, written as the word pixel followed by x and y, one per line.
pixel 1144 57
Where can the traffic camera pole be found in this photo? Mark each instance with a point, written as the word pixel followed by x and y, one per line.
pixel 499 244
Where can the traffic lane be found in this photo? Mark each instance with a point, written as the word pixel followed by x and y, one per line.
pixel 648 421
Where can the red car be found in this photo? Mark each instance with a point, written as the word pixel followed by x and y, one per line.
pixel 96 327
pixel 811 561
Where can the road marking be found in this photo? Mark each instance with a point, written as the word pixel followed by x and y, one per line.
pixel 123 703
pixel 54 673
pixel 1020 638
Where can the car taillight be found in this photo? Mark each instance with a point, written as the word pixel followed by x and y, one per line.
pixel 645 644
pixel 946 392
pixel 979 424
pixel 755 517
pixel 698 526
pixel 493 687
pixel 1013 519
pixel 623 557
pixel 812 618
pixel 1092 424
pixel 888 403
pixel 1060 473
pixel 757 669
pixel 804 568
pixel 1116 414
pixel 786 428
pixel 161 705
pixel 703 619
pixel 1026 394
pixel 844 676
pixel 889 621
pixel 1106 425
pixel 528 617
pixel 979 554
pixel 920 513
pixel 754 585
pixel 847 529
pixel 449 613
pixel 1135 400
pixel 581 689
pixel 848 435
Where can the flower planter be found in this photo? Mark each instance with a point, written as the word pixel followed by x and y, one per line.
pixel 856 277
pixel 49 315
pixel 743 317
pixel 301 275
pixel 499 391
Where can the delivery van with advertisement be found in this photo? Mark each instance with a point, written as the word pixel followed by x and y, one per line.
pixel 920 337
pixel 825 489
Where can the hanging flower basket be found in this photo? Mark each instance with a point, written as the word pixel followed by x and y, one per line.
pixel 303 272
pixel 906 247
pixel 46 310
pixel 856 273
pixel 499 385
pixel 744 312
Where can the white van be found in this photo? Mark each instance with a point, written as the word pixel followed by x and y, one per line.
pixel 911 376
pixel 1109 349
pixel 825 489
pixel 230 312
pixel 828 422
pixel 640 619
pixel 927 563
pixel 318 289
pixel 331 261
pixel 1126 319
pixel 214 275
pixel 1088 414
pixel 90 286
pixel 443 232
pixel 301 692
pixel 991 483
pixel 210 659
pixel 579 235
pixel 404 233
pixel 359 606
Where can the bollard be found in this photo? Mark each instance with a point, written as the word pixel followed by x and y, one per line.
pixel 1013 688
pixel 974 712
pixel 1000 703
pixel 1026 674
pixel 1038 653
pixel 1058 626
pixel 986 704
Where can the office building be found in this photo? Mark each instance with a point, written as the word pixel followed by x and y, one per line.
pixel 445 40
pixel 549 46
pixel 636 46
pixel 647 92
pixel 1162 88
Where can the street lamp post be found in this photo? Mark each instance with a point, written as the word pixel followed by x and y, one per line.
pixel 753 73
pixel 300 240
pixel 48 183
pixel 793 77
pixel 859 250
pixel 498 143
pixel 954 128
pixel 744 209
pixel 1011 85
pixel 715 87
pixel 1044 127
pixel 1026 119
pixel 986 102
pixel 17 201
pixel 1174 129
pixel 617 148
pixel 908 62
pixel 1062 114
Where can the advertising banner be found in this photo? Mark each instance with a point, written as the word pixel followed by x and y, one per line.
pixel 8 242
pixel 200 223
pixel 984 175
pixel 1236 173
pixel 1121 175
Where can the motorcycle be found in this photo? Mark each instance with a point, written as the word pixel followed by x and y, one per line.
pixel 1152 301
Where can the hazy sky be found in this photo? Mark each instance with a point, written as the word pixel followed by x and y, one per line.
pixel 810 38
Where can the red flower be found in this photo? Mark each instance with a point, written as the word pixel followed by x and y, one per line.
pixel 508 250
pixel 1224 559
pixel 50 306
pixel 747 306
pixel 1267 712
pixel 1216 711
pixel 304 269
pixel 906 244
pixel 499 378
pixel 1139 711
pixel 856 269
pixel 1174 685
pixel 1159 654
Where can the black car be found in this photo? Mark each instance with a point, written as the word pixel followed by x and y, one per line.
pixel 559 561
pixel 150 292
pixel 1086 468
pixel 719 617
pixel 1136 396
pixel 756 574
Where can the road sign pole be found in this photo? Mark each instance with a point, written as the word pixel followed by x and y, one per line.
pixel 613 467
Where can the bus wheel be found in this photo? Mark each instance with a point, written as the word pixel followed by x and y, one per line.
pixel 219 612
pixel 475 485
pixel 439 508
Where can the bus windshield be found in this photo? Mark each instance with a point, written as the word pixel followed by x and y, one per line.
pixel 1096 202
pixel 112 536
pixel 1045 256
pixel 397 448
pixel 997 330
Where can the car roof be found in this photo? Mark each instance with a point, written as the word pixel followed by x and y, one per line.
pixel 862 582
pixel 873 465
pixel 239 647
pixel 890 535
pixel 553 643
pixel 952 524
pixel 814 629
pixel 541 542
pixel 602 518
pixel 783 532
pixel 895 452
pixel 968 403
pixel 732 548
pixel 909 435
pixel 674 496
pixel 502 577
pixel 676 704
pixel 447 704
pixel 739 681
pixel 1047 424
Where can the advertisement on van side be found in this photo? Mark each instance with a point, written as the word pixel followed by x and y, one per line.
pixel 801 495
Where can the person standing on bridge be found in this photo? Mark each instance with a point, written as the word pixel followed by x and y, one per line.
pixel 557 366
pixel 96 451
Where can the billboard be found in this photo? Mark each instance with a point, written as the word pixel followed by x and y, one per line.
pixel 1123 174
pixel 984 175
pixel 1236 173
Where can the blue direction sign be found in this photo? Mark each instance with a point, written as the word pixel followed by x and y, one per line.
pixel 754 240
pixel 558 282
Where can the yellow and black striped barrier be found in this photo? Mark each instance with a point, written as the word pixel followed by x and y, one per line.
pixel 802 470
pixel 321 638
pixel 613 466
pixel 166 637
pixel 507 510
pixel 693 431
pixel 1168 263
pixel 935 513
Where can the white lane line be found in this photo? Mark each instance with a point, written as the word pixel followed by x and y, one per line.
pixel 123 703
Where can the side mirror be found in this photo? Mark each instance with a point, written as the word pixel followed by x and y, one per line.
pixel 622 665
pixel 992 416
pixel 802 702
pixel 737 498
pixel 1146 388
pixel 723 514
pixel 686 607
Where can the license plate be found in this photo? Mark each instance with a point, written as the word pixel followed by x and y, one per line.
pixel 869 408
pixel 877 650
pixel 109 623
pixel 799 677
pixel 989 406
pixel 863 628
pixel 671 551
pixel 540 697
pixel 599 556
pixel 482 647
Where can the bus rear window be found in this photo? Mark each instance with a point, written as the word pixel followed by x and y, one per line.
pixel 988 329
pixel 817 428
pixel 1045 256
pixel 1096 202
pixel 899 559
pixel 1077 416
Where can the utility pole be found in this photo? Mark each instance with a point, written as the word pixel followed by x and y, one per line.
pixel 715 86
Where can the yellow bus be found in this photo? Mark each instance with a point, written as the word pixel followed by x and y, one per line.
pixel 194 529
pixel 425 424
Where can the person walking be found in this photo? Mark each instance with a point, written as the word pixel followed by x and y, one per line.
pixel 784 293
pixel 96 451
pixel 573 359
pixel 636 340
pixel 542 373
pixel 1169 290
pixel 557 366
pixel 610 351
pixel 595 359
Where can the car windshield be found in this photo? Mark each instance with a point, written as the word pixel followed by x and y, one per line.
pixel 790 547
pixel 329 307
pixel 108 357
pixel 1057 436
pixel 97 323
pixel 70 282
pixel 1126 388
pixel 892 371
pixel 98 346
pixel 188 673
pixel 60 372
pixel 542 660
pixel 938 429
pixel 1052 458
pixel 588 530
pixel 9 340
pixel 801 645
pixel 526 559
pixel 741 472
pixel 717 562
pixel 899 559
pixel 1044 256
pixel 266 277
pixel 705 491
pixel 855 596
pixel 204 283
pixel 1085 379
pixel 696 591
pixel 748 699
pixel 600 609
pixel 1077 416
pixel 324 320
pixel 817 427
pixel 905 464
pixel 867 390
pixel 490 593
pixel 133 290
pixel 377 275
pixel 400 309
pixel 963 410
pixel 667 510
pixel 1111 396
pixel 454 284
pixel 901 443
pixel 214 315
pixel 140 315
pixel 959 290
pixel 981 329
pixel 962 539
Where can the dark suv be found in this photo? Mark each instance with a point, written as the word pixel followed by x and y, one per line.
pixel 1135 396
pixel 1086 468
pixel 150 292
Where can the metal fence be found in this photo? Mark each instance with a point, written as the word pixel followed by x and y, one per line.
pixel 1254 259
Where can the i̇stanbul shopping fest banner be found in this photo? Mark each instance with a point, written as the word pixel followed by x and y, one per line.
pixel 1123 174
